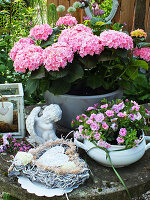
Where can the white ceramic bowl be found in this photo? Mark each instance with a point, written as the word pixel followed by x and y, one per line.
pixel 119 158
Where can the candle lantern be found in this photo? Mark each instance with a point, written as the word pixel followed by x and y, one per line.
pixel 12 109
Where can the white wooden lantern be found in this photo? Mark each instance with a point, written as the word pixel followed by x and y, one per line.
pixel 12 100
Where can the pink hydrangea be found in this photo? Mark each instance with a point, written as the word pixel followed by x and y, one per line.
pixel 57 56
pixel 67 21
pixel 17 47
pixel 28 58
pixel 25 40
pixel 143 53
pixel 81 40
pixel 116 39
pixel 123 132
pixel 41 32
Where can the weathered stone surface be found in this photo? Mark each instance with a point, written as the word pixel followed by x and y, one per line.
pixel 102 185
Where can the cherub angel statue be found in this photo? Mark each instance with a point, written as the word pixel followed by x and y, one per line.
pixel 40 124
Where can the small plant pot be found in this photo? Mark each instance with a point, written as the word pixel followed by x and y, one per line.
pixel 120 156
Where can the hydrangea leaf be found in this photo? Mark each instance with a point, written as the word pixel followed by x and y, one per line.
pixel 75 73
pixel 59 87
pixel 58 74
pixel 94 81
pixel 31 86
pixel 38 74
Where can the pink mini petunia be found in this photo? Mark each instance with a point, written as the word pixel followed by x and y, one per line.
pixel 123 132
pixel 109 113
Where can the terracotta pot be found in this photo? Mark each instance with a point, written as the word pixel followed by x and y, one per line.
pixel 73 105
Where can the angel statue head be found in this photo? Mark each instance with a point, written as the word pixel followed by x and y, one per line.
pixel 52 113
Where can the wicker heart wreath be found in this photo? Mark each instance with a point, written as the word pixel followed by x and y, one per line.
pixel 55 164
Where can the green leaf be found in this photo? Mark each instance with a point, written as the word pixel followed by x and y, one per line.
pixel 132 72
pixel 44 85
pixel 2 68
pixel 76 72
pixel 143 44
pixel 54 75
pixel 31 86
pixel 59 87
pixel 96 19
pixel 140 63
pixel 38 74
pixel 88 61
pixel 94 81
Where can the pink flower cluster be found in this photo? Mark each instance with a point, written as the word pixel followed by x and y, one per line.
pixel 143 53
pixel 115 122
pixel 81 39
pixel 28 58
pixel 20 45
pixel 67 21
pixel 116 39
pixel 57 56
pixel 41 32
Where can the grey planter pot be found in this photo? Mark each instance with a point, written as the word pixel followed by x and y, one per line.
pixel 72 105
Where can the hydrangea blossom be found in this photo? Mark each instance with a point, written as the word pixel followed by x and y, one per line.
pixel 143 53
pixel 28 58
pixel 81 40
pixel 67 21
pixel 41 32
pixel 20 45
pixel 116 39
pixel 57 56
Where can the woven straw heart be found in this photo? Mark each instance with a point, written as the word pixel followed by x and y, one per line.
pixel 4 110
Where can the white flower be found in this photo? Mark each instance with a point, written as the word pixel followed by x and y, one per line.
pixel 23 158
pixel 68 166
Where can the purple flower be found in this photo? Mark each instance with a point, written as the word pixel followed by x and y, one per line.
pixel 135 107
pixel 114 126
pixel 86 18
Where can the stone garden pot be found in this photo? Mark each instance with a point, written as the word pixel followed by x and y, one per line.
pixel 73 105
pixel 119 158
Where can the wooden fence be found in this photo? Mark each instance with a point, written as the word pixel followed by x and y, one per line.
pixel 135 13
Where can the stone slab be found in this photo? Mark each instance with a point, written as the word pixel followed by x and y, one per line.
pixel 102 185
